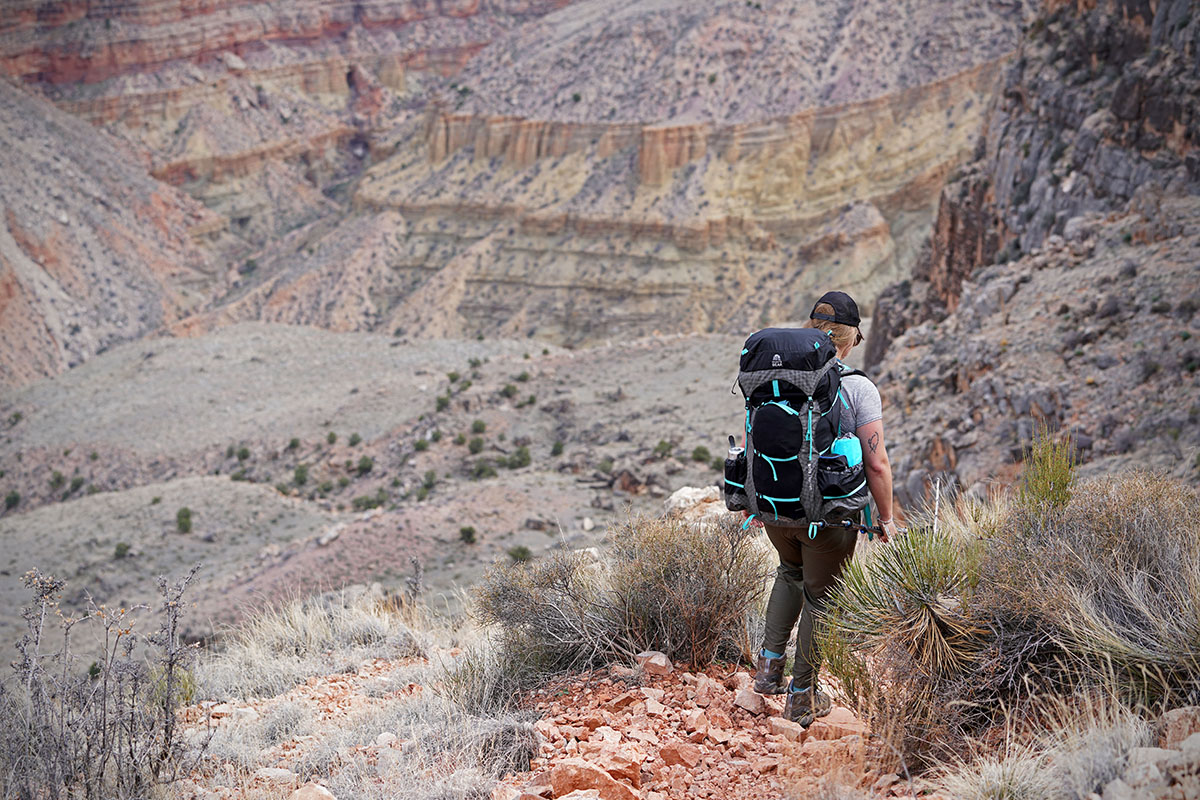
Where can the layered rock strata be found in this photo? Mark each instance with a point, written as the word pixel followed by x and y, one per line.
pixel 92 250
pixel 580 225
pixel 254 108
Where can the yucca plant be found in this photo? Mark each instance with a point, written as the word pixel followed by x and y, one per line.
pixel 900 634
pixel 912 593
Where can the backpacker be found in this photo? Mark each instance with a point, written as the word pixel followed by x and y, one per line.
pixel 798 466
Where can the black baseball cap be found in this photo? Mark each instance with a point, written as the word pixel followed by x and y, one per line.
pixel 845 310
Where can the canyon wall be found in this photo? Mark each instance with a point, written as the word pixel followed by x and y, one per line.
pixel 585 209
pixel 257 109
pixel 1060 283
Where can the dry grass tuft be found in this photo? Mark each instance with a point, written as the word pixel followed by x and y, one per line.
pixel 281 647
pixel 692 592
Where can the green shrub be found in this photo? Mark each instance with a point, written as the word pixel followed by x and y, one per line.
pixel 460 439
pixel 243 453
pixel 354 439
pixel 369 501
pixel 300 475
pixel 155 500
pixel 76 484
pixel 519 458
pixel 121 550
pixel 443 402
pixel 453 376
pixel 478 426
pixel 509 391
pixel 430 479
pixel 343 482
pixel 700 453
pixel 475 446
pixel 93 456
pixel 421 445
pixel 229 451
pixel 325 487
pixel 482 469
pixel 331 437
pixel 183 520
pixel 718 464
pixel 520 554
pixel 467 534
pixel 57 479
pixel 1049 472
pixel 523 377
pixel 557 449
pixel 293 444
pixel 365 465
pixel 436 436
pixel 605 466
pixel 12 499
pixel 663 448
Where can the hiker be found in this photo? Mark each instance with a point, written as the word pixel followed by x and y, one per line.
pixel 811 554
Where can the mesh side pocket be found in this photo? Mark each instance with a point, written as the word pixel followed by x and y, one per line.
pixel 735 483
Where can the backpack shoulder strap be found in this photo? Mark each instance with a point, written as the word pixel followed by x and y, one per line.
pixel 845 371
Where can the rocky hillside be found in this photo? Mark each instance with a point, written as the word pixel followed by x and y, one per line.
pixel 1067 253
pixel 93 252
pixel 654 173
pixel 253 107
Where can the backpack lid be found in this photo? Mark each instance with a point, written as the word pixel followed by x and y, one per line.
pixel 787 348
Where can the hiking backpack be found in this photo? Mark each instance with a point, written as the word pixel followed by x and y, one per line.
pixel 798 465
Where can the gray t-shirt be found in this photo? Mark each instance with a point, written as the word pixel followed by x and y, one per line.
pixel 865 403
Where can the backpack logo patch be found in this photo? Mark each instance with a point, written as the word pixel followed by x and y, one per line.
pixel 776 361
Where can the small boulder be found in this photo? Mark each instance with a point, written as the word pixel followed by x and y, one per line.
pixel 684 753
pixel 1177 725
pixel 386 739
pixel 750 700
pixel 276 775
pixel 655 663
pixel 312 791
pixel 575 774
pixel 787 729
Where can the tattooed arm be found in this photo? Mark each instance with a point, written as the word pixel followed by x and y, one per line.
pixel 879 470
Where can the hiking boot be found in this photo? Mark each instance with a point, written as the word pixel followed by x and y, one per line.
pixel 769 677
pixel 806 705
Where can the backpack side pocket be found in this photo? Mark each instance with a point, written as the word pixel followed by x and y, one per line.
pixel 735 483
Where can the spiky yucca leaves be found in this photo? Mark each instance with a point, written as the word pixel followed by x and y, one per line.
pixel 910 593
pixel 900 634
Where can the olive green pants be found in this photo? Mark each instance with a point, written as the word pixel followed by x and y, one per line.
pixel 807 570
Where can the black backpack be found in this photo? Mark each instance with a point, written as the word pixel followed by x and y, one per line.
pixel 798 466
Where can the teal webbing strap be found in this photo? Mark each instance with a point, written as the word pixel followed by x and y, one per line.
pixel 812 530
pixel 775 387
pixel 746 524
pixel 866 512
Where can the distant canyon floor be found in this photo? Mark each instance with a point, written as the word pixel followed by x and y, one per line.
pixel 308 460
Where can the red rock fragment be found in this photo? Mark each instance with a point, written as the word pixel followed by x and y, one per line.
pixel 685 753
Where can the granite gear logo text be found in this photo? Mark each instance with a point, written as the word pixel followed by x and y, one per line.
pixel 776 361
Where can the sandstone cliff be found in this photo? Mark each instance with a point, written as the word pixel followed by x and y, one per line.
pixel 254 108
pixel 1083 194
pixel 577 224
pixel 92 251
